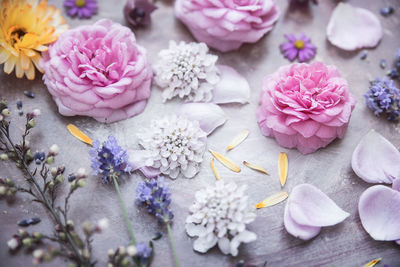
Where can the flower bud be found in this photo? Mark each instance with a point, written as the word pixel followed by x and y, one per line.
pixel 54 171
pixel 81 173
pixel 6 112
pixel 51 185
pixel 9 182
pixel 38 253
pixel 3 190
pixel 31 124
pixel 87 228
pixel 81 183
pixel 13 243
pixel 62 236
pixel 1 118
pixel 70 225
pixel 54 150
pixel 131 250
pixel 3 156
pixel 50 160
pixel 37 235
pixel 125 262
pixel 110 253
pixel 59 179
pixel 102 224
pixel 22 232
pixel 36 112
pixel 27 242
pixel 121 250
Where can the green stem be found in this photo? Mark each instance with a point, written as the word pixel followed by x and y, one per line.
pixel 128 222
pixel 171 239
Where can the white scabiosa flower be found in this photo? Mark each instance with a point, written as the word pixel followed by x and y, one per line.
pixel 174 145
pixel 187 70
pixel 219 216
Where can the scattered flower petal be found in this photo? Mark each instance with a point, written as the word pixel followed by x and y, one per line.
pixel 231 88
pixel 225 161
pixel 303 232
pixel 272 200
pixel 75 131
pixel 351 28
pixel 283 168
pixel 209 116
pixel 238 139
pixel 375 159
pixel 214 169
pixel 379 212
pixel 255 167
pixel 372 263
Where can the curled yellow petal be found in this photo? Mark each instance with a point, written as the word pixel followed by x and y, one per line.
pixel 215 171
pixel 272 200
pixel 239 138
pixel 225 161
pixel 79 134
pixel 255 167
pixel 372 263
pixel 283 168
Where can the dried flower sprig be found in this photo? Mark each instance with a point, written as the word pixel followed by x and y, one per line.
pixel 154 194
pixel 42 183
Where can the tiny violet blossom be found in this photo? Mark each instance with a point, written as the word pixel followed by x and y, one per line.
pixel 109 159
pixel 138 12
pixel 383 97
pixel 81 8
pixel 300 48
pixel 143 253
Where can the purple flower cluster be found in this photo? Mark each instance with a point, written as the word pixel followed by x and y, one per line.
pixel 109 159
pixel 81 8
pixel 155 195
pixel 383 97
pixel 143 254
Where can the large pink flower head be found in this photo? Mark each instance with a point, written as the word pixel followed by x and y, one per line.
pixel 98 71
pixel 226 24
pixel 305 106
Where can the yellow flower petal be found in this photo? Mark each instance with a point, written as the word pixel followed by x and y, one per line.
pixel 283 168
pixel 239 138
pixel 372 263
pixel 225 161
pixel 9 65
pixel 255 167
pixel 272 200
pixel 215 171
pixel 79 134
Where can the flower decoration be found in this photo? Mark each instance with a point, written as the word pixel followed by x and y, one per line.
pixel 305 106
pixel 174 145
pixel 308 209
pixel 23 38
pixel 219 215
pixel 188 71
pixel 226 25
pixel 109 159
pixel 383 97
pixel 143 254
pixel 352 28
pixel 300 48
pixel 98 71
pixel 376 160
pixel 137 12
pixel 155 196
pixel 81 8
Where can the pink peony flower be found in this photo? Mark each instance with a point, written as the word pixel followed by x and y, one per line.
pixel 305 106
pixel 98 71
pixel 226 25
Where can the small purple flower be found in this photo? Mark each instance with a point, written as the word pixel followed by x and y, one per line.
pixel 155 196
pixel 300 48
pixel 137 12
pixel 383 97
pixel 109 159
pixel 82 8
pixel 397 58
pixel 143 254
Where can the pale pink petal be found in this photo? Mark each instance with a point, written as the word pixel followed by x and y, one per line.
pixel 379 209
pixel 137 158
pixel 150 172
pixel 396 184
pixel 231 88
pixel 376 160
pixel 310 206
pixel 297 230
pixel 209 116
pixel 351 28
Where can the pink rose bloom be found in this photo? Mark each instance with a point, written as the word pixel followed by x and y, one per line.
pixel 305 106
pixel 226 24
pixel 98 71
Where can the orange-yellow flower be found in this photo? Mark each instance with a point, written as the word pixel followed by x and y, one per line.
pixel 26 28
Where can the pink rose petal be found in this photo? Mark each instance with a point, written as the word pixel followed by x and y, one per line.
pixel 301 231
pixel 376 160
pixel 311 207
pixel 231 88
pixel 351 28
pixel 379 209
pixel 137 159
pixel 209 116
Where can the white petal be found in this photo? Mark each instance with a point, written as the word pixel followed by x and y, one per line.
pixel 351 28
pixel 224 245
pixel 297 230
pixel 209 115
pixel 195 230
pixel 203 244
pixel 232 88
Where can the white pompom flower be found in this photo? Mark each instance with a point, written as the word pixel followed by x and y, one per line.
pixel 188 71
pixel 219 216
pixel 174 145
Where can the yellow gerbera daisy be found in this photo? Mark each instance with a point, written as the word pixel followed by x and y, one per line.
pixel 26 28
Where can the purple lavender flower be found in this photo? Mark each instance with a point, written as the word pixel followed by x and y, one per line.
pixel 383 97
pixel 301 47
pixel 137 12
pixel 109 159
pixel 143 254
pixel 82 8
pixel 155 195
pixel 397 58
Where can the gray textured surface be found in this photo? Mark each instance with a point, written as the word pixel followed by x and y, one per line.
pixel 346 244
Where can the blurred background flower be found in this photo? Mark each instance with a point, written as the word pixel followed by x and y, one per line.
pixel 81 8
